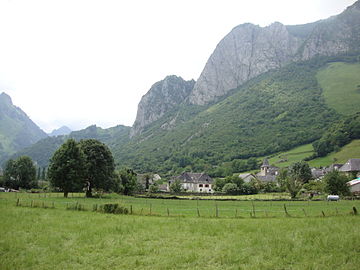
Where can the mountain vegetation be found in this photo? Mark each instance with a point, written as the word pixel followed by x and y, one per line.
pixel 338 135
pixel 43 150
pixel 274 112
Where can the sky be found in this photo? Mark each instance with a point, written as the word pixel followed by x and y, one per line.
pixel 84 62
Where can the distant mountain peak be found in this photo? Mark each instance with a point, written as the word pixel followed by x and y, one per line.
pixel 64 130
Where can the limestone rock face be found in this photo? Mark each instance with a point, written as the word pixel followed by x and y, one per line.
pixel 247 51
pixel 338 34
pixel 250 50
pixel 162 97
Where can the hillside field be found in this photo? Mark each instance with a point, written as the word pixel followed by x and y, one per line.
pixel 285 159
pixel 341 86
pixel 46 238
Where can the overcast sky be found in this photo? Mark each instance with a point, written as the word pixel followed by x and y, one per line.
pixel 78 63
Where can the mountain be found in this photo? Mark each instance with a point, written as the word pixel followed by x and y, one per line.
pixel 263 90
pixel 17 130
pixel 43 150
pixel 163 96
pixel 64 130
pixel 250 50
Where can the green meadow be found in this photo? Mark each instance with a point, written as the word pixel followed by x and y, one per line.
pixel 339 80
pixel 244 235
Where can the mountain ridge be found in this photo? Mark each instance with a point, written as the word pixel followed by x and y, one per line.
pixel 17 130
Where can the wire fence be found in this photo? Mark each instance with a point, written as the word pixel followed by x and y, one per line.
pixel 189 208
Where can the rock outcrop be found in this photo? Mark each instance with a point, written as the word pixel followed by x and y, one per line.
pixel 250 50
pixel 162 97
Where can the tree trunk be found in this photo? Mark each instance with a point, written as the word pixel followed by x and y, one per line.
pixel 66 194
pixel 88 190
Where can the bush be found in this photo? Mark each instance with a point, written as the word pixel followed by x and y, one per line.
pixel 230 188
pixel 114 208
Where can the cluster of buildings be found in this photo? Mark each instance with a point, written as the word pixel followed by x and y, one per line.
pixel 203 183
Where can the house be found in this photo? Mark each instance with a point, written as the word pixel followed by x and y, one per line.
pixel 352 166
pixel 195 182
pixel 267 172
pixel 247 177
pixel 318 174
pixel 146 180
pixel 354 186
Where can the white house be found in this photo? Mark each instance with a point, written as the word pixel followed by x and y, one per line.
pixel 195 182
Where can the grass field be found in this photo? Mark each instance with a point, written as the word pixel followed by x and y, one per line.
pixel 341 86
pixel 39 238
pixel 285 159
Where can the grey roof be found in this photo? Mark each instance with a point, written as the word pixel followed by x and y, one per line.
pixel 187 177
pixel 317 173
pixel 352 165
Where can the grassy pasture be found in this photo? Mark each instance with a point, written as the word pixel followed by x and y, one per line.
pixel 38 238
pixel 243 206
pixel 341 86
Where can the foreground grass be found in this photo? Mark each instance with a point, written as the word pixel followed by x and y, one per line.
pixel 37 238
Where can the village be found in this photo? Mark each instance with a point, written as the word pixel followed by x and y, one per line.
pixel 202 183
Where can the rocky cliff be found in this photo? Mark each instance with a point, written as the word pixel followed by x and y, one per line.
pixel 162 97
pixel 249 50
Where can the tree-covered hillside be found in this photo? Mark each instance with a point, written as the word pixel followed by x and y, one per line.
pixel 273 112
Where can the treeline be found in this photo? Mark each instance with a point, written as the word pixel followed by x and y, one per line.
pixel 338 135
pixel 86 165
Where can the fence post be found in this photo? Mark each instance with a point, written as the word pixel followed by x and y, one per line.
pixel 198 212
pixel 253 206
pixel 216 210
pixel 168 213
pixel 286 212
pixel 17 202
pixel 131 210
pixel 304 212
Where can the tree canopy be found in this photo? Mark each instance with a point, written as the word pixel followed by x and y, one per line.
pixel 20 173
pixel 67 167
pixel 99 166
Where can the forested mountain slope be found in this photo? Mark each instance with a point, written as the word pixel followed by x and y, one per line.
pixel 272 112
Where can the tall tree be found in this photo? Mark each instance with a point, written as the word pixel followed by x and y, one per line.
pixel 300 171
pixel 99 164
pixel 20 173
pixel 128 181
pixel 67 167
pixel 335 183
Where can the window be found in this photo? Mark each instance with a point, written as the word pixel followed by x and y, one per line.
pixel 206 185
pixel 200 185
